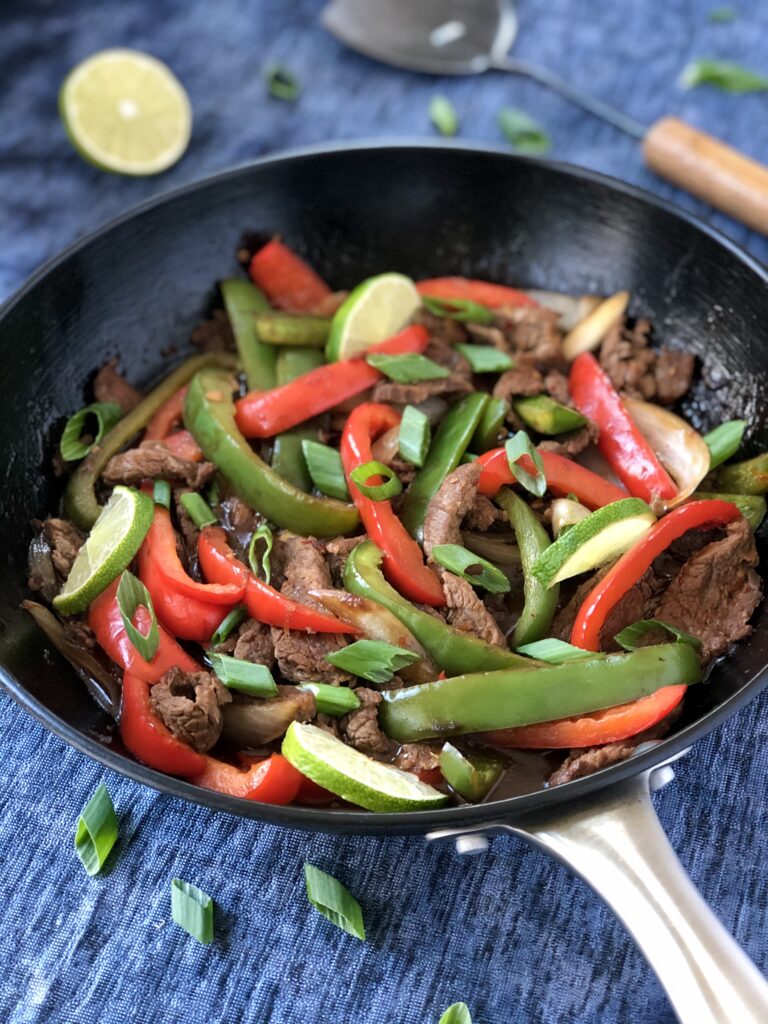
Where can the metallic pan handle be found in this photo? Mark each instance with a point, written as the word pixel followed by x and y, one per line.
pixel 615 842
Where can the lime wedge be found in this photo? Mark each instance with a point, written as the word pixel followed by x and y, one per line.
pixel 115 538
pixel 353 776
pixel 374 311
pixel 126 112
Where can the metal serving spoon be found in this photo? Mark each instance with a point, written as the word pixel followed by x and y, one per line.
pixel 469 37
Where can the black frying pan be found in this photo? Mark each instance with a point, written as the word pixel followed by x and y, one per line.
pixel 140 285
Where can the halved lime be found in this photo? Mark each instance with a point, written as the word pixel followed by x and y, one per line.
pixel 353 776
pixel 126 112
pixel 374 311
pixel 115 538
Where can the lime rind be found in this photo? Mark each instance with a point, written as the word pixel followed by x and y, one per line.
pixel 372 312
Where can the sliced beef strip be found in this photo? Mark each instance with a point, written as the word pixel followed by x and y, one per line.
pixel 466 611
pixel 418 757
pixel 187 534
pixel 483 514
pixel 214 334
pixel 519 381
pixel 189 703
pixel 360 729
pixel 64 540
pixel 254 643
pixel 532 334
pixel 454 499
pixel 441 328
pixel 111 386
pixel 152 460
pixel 640 371
pixel 458 382
pixel 572 442
pixel 337 551
pixel 556 385
pixel 80 633
pixel 485 335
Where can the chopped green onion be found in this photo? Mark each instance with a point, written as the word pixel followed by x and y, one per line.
pixel 471 567
pixel 516 447
pixel 72 446
pixel 261 567
pixel 192 910
pixel 525 134
pixel 721 15
pixel 723 74
pixel 132 594
pixel 230 621
pixel 161 493
pixel 282 83
pixel 456 1014
pixel 244 676
pixel 376 492
pixel 443 116
pixel 326 470
pixel 198 511
pixel 96 830
pixel 723 442
pixel 332 700
pixel 486 358
pixel 374 660
pixel 553 651
pixel 213 497
pixel 408 368
pixel 415 435
pixel 628 637
pixel 463 310
pixel 334 901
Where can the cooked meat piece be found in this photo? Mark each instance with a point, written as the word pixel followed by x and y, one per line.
pixel 251 722
pixel 458 382
pixel 111 386
pixel 640 371
pixel 466 611
pixel 488 336
pixel 304 566
pixel 444 354
pixel 329 724
pixel 64 540
pixel 153 460
pixel 238 517
pixel 532 334
pixel 638 603
pixel 214 334
pixel 80 633
pixel 453 500
pixel 673 373
pixel 572 442
pixel 187 535
pixel 483 514
pixel 254 643
pixel 716 591
pixel 417 757
pixel 189 703
pixel 336 552
pixel 556 384
pixel 360 729
pixel 441 328
pixel 405 471
pixel 521 380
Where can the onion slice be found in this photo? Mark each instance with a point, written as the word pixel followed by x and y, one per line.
pixel 589 332
pixel 572 308
pixel 680 449
pixel 385 448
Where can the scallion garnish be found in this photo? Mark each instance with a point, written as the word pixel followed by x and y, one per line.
pixel 105 416
pixel 443 116
pixel 525 134
pixel 230 621
pixel 198 511
pixel 96 830
pixel 486 358
pixel 516 447
pixel 456 1014
pixel 628 638
pixel 472 568
pixel 553 651
pixel 332 700
pixel 261 566
pixel 131 595
pixel 244 676
pixel 723 74
pixel 463 310
pixel 376 492
pixel 192 910
pixel 325 468
pixel 282 83
pixel 723 442
pixel 161 493
pixel 334 901
pixel 408 368
pixel 415 435
pixel 374 660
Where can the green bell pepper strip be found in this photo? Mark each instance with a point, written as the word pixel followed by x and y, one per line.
pixel 532 539
pixel 242 300
pixel 489 429
pixel 448 445
pixel 483 701
pixel 752 506
pixel 209 415
pixel 451 650
pixel 296 329
pixel 470 775
pixel 80 504
pixel 288 457
pixel 546 416
pixel 749 477
pixel 294 362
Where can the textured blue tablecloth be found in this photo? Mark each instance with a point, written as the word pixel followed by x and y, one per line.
pixel 509 932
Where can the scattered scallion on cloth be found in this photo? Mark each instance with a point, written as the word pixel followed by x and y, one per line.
pixel 485 358
pixel 334 901
pixel 443 116
pixel 722 15
pixel 456 1014
pixel 374 660
pixel 525 134
pixel 463 310
pixel 471 567
pixel 96 830
pixel 192 910
pixel 132 594
pixel 282 83
pixel 388 488
pixel 724 441
pixel 415 435
pixel 198 510
pixel 261 566
pixel 72 445
pixel 408 368
pixel 325 468
pixel 723 74
pixel 630 636
pixel 243 676
pixel 161 493
pixel 230 622
pixel 553 651
pixel 516 447
pixel 332 700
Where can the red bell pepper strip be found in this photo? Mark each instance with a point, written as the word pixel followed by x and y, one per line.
pixel 146 736
pixel 184 446
pixel 631 566
pixel 627 451
pixel 564 476
pixel 288 281
pixel 168 416
pixel 186 617
pixel 105 620
pixel 265 413
pixel 270 781
pixel 403 559
pixel 608 726
pixel 483 292
pixel 265 604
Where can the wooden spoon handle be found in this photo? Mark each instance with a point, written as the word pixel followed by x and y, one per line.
pixel 709 169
